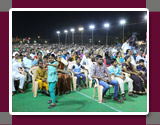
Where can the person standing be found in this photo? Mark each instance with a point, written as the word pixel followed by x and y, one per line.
pixel 52 79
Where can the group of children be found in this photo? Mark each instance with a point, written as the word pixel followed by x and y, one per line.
pixel 48 78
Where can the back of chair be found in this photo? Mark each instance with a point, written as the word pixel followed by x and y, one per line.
pixel 71 65
pixel 32 72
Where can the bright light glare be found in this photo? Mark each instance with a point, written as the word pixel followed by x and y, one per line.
pixel 58 32
pixel 145 17
pixel 106 25
pixel 91 26
pixel 122 22
pixel 81 29
pixel 66 31
pixel 72 30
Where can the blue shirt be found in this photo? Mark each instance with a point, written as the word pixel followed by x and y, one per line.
pixel 64 56
pixel 121 60
pixel 52 73
pixel 116 70
pixel 27 62
pixel 35 62
pixel 77 68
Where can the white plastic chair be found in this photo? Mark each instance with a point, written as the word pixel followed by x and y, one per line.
pixel 32 72
pixel 100 91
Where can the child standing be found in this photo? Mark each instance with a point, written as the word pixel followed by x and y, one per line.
pixel 52 79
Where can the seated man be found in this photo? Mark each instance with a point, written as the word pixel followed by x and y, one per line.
pixel 41 77
pixel 16 75
pixel 115 70
pixel 77 72
pixel 98 71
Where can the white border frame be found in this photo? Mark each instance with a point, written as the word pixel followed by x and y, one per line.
pixel 73 9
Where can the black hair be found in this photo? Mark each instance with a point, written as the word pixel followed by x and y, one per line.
pixel 106 54
pixel 40 61
pixel 17 54
pixel 53 55
pixel 127 51
pixel 30 50
pixel 77 58
pixel 76 53
pixel 126 58
pixel 39 53
pixel 113 60
pixel 141 60
pixel 98 56
pixel 70 59
pixel 45 57
pixel 117 53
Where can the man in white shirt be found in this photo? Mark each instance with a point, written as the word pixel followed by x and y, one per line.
pixel 16 75
pixel 125 46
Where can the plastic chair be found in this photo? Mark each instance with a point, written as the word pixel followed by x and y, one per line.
pixel 74 78
pixel 100 91
pixel 32 72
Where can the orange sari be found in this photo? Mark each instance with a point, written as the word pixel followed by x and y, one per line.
pixel 64 80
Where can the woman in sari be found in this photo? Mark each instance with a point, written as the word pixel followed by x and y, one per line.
pixel 64 79
pixel 138 86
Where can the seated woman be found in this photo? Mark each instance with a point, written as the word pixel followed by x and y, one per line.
pixel 108 58
pixel 64 79
pixel 141 68
pixel 119 58
pixel 127 67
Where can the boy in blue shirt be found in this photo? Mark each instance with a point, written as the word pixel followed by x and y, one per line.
pixel 77 72
pixel 115 70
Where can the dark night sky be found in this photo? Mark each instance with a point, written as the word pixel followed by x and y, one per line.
pixel 46 24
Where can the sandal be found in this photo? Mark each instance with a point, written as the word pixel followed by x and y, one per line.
pixel 131 94
pixel 118 100
pixel 123 96
pixel 52 106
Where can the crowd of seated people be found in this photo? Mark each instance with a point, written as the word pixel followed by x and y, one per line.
pixel 111 65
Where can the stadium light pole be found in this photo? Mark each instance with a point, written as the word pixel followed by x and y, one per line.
pixel 72 30
pixel 66 32
pixel 122 22
pixel 92 28
pixel 58 32
pixel 106 25
pixel 81 29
